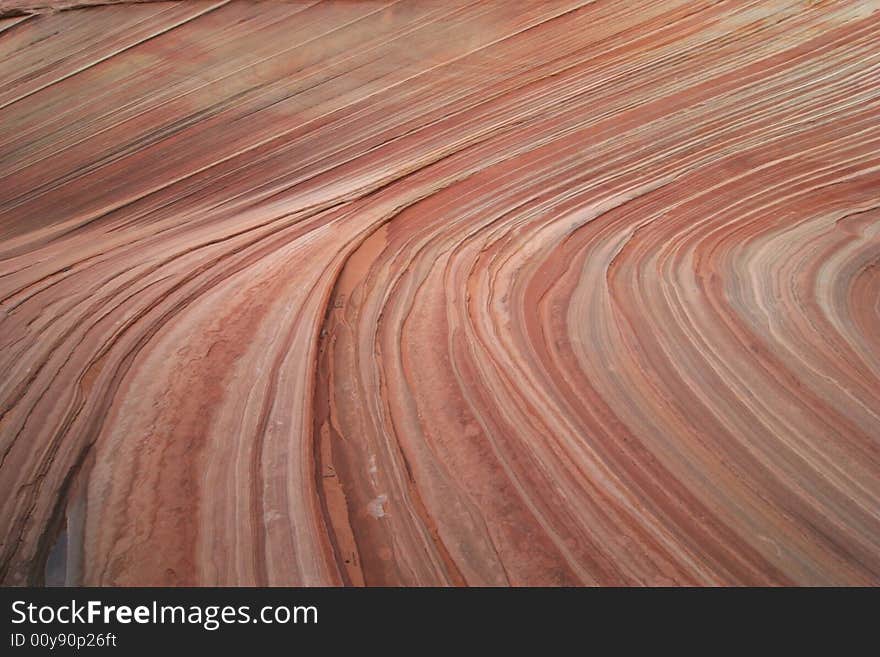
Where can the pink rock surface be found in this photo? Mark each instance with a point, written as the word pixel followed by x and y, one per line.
pixel 440 293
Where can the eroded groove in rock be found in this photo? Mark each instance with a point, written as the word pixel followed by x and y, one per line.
pixel 450 293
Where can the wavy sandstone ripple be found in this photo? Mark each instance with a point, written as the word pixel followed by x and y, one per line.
pixel 440 293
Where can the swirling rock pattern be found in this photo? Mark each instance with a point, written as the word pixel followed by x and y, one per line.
pixel 440 293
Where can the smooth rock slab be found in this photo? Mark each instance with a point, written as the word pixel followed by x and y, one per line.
pixel 440 293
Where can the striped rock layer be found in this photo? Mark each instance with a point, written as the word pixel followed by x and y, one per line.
pixel 440 293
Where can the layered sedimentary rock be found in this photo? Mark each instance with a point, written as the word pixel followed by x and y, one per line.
pixel 440 293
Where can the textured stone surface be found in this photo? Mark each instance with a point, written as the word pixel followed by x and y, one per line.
pixel 440 293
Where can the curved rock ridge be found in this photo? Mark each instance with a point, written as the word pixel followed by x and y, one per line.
pixel 440 293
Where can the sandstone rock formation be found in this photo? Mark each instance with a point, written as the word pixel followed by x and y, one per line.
pixel 440 293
